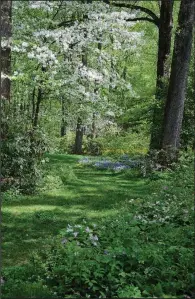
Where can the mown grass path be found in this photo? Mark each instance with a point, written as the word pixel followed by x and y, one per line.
pixel 89 193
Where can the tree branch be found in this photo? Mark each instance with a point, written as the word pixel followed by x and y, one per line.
pixel 57 10
pixel 66 23
pixel 71 22
pixel 149 12
pixel 143 19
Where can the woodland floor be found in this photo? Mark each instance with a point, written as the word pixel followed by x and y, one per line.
pixel 91 194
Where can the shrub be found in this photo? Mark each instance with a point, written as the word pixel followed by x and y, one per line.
pixel 21 159
pixel 92 146
pixel 129 143
pixel 60 176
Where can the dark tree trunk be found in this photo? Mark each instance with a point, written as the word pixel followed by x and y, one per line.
pixel 93 129
pixel 179 70
pixel 93 126
pixel 111 71
pixel 33 104
pixel 124 75
pixel 63 120
pixel 84 58
pixel 6 33
pixel 164 49
pixel 80 127
pixel 84 54
pixel 164 24
pixel 37 108
pixel 79 137
pixel 164 41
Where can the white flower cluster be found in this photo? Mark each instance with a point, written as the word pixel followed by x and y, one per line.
pixel 19 48
pixel 44 55
pixel 47 5
pixel 5 43
pixel 90 74
pixel 61 37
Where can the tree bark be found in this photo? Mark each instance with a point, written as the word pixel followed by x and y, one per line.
pixel 6 33
pixel 63 120
pixel 33 104
pixel 164 49
pixel 164 41
pixel 79 137
pixel 93 125
pixel 179 71
pixel 37 108
pixel 164 24
pixel 80 128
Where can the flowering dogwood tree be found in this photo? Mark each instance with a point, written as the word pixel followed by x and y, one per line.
pixel 47 52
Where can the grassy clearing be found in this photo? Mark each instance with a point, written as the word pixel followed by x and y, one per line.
pixel 147 220
pixel 85 193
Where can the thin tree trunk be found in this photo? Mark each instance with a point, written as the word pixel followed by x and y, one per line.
pixel 63 120
pixel 79 137
pixel 37 108
pixel 179 70
pixel 80 128
pixel 38 102
pixel 33 104
pixel 93 131
pixel 164 49
pixel 6 33
pixel 93 126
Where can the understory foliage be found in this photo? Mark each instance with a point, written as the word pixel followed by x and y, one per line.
pixel 22 151
pixel 111 144
pixel 145 251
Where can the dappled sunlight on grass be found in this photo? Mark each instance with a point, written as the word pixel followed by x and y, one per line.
pixel 92 194
pixel 30 209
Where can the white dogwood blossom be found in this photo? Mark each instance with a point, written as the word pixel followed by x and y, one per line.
pixel 93 29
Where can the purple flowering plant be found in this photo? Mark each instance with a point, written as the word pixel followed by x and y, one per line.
pixel 119 165
pixel 83 234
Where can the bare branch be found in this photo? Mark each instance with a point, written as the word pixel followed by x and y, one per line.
pixel 143 19
pixel 57 10
pixel 71 22
pixel 149 12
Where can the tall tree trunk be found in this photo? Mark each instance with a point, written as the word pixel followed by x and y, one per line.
pixel 177 86
pixel 164 24
pixel 164 41
pixel 63 119
pixel 5 84
pixel 6 33
pixel 164 49
pixel 37 108
pixel 33 104
pixel 93 127
pixel 80 128
pixel 79 137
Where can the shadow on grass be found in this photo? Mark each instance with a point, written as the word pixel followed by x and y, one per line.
pixel 29 220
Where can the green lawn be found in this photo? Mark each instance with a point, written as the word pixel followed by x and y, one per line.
pixel 89 193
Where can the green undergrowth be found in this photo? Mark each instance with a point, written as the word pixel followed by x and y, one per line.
pixel 95 234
